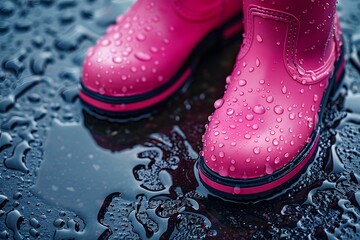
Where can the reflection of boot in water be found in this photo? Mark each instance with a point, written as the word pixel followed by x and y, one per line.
pixel 118 136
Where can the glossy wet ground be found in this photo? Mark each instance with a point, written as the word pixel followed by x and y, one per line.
pixel 66 174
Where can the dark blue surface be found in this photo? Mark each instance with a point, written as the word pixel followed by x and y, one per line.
pixel 65 174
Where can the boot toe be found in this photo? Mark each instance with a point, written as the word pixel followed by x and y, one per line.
pixel 242 144
pixel 120 69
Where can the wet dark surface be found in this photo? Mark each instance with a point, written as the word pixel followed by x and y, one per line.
pixel 65 174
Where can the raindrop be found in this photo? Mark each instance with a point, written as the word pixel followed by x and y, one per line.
pixel 102 91
pixel 242 82
pixel 292 116
pixel 249 117
pixel 143 56
pixel 256 150
pixel 283 89
pixel 105 42
pixel 313 75
pixel 228 79
pixel 116 36
pixel 301 70
pixel 313 108
pixel 148 28
pixel 269 169
pixel 117 59
pixel 230 111
pixel 316 98
pixel 155 18
pixel 270 99
pixel 213 158
pixel 257 62
pixel 259 109
pixel 154 49
pixel 221 154
pixel 140 37
pixel 218 103
pixel 127 25
pixel 276 160
pixel 124 89
pixel 236 190
pixel 275 142
pixel 278 109
pixel 259 38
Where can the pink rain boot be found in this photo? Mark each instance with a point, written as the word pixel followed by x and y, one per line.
pixel 150 52
pixel 265 130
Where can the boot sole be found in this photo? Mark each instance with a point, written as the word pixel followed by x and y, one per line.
pixel 144 103
pixel 259 188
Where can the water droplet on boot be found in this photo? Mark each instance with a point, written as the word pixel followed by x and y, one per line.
pixel 105 42
pixel 242 82
pixel 117 60
pixel 218 103
pixel 270 99
pixel 301 70
pixel 278 109
pixel 256 150
pixel 292 116
pixel 269 169
pixel 154 49
pixel 230 111
pixel 249 117
pixel 259 109
pixel 140 37
pixel 275 142
pixel 142 56
pixel 316 97
pixel 236 190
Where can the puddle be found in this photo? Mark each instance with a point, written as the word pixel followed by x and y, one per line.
pixel 66 174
